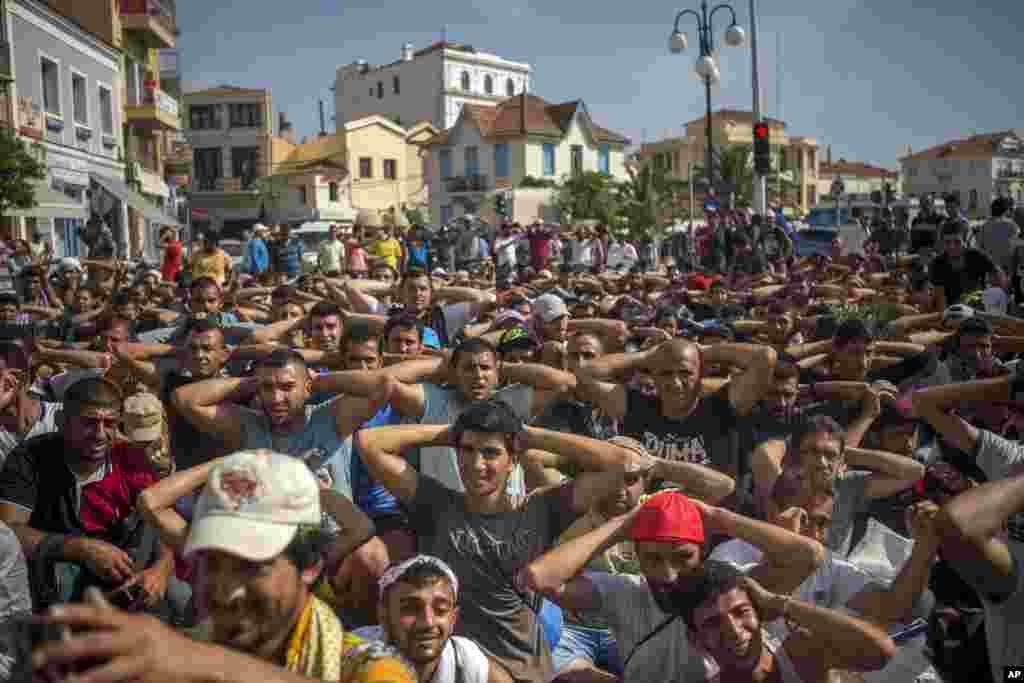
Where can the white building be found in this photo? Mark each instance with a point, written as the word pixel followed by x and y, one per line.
pixel 431 84
pixel 976 169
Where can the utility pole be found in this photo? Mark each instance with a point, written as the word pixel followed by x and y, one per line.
pixel 760 203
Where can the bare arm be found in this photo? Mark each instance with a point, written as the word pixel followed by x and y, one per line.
pixel 893 472
pixel 758 363
pixel 382 447
pixel 207 405
pixel 831 639
pixel 156 503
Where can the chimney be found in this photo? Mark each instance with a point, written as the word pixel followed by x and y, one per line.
pixel 407 52
pixel 323 123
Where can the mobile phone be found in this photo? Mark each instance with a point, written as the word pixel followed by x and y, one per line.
pixel 20 637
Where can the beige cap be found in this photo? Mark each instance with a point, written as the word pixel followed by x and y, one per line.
pixel 143 416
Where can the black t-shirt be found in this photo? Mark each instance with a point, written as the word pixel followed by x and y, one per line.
pixel 575 417
pixel 976 267
pixel 889 240
pixel 189 446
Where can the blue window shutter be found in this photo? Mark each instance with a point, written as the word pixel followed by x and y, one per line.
pixel 549 159
pixel 501 161
pixel 603 156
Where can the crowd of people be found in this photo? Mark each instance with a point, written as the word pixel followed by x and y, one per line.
pixel 528 454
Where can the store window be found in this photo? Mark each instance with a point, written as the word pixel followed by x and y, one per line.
pixel 80 107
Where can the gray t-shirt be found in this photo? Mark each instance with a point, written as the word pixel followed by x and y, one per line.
pixel 1000 458
pixel 849 501
pixel 633 615
pixel 443 406
pixel 15 596
pixel 486 551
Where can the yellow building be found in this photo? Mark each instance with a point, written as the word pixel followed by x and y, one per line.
pixel 371 168
pixel 860 179
pixel 796 157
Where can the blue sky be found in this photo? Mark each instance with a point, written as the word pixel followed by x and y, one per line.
pixel 869 77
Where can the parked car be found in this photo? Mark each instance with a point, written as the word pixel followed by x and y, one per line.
pixel 821 233
pixel 311 235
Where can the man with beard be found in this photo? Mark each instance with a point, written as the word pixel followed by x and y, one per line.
pixel 22 415
pixel 668 533
pixel 258 542
pixel 484 533
pixel 726 612
pixel 587 643
pixel 958 270
pixel 283 422
pixel 418 612
pixel 70 498
pixel 679 423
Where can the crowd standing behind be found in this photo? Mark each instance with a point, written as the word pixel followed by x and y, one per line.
pixel 518 454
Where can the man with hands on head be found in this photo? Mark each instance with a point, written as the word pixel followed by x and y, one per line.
pixel 668 533
pixel 983 528
pixel 485 533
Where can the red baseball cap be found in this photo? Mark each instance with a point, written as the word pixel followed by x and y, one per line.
pixel 668 517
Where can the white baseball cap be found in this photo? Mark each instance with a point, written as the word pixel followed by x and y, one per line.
pixel 253 505
pixel 549 307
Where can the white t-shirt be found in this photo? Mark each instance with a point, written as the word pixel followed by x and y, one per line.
pixel 632 615
pixel 475 666
pixel 505 248
pixel 1000 458
pixel 833 584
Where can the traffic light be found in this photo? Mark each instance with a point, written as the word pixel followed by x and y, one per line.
pixel 499 203
pixel 762 149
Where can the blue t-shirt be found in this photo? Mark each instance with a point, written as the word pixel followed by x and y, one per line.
pixel 317 444
pixel 368 494
pixel 293 252
pixel 417 250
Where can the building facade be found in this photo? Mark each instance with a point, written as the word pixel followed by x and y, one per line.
pixel 432 85
pixel 494 149
pixel 372 168
pixel 976 169
pixel 230 133
pixel 795 158
pixel 860 179
pixel 90 97
pixel 67 89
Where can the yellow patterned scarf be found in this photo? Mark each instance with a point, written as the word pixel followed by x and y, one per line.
pixel 317 643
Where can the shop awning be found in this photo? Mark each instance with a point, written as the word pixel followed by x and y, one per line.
pixel 51 204
pixel 133 199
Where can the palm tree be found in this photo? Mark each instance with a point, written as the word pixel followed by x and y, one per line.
pixel 648 189
pixel 734 171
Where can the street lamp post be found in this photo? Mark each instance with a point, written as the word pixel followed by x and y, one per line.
pixel 706 66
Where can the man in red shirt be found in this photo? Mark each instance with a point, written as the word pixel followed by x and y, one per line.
pixel 172 253
pixel 540 237
pixel 70 499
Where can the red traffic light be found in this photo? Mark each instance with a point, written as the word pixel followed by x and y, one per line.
pixel 760 131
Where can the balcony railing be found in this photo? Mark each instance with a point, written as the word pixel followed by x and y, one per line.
pixel 162 11
pixel 467 183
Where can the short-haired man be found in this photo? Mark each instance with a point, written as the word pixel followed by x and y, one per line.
pixel 258 540
pixel 326 323
pixel 70 497
pixel 283 422
pixel 418 612
pixel 725 612
pixel 331 254
pixel 484 533
pixel 958 270
pixel 405 336
pixel 22 415
pixel 680 423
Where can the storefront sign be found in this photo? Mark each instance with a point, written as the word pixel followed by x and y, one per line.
pixel 30 115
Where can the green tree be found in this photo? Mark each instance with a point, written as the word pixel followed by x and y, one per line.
pixel 734 172
pixel 588 196
pixel 19 171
